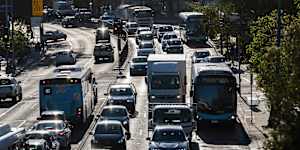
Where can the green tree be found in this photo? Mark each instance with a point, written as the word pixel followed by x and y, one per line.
pixel 278 74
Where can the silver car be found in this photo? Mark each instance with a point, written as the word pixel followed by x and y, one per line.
pixel 138 65
pixel 145 48
pixel 168 137
pixel 10 88
pixel 65 57
pixel 58 128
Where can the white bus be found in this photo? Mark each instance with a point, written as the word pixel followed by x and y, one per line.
pixel 192 29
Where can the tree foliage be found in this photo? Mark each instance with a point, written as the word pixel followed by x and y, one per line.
pixel 278 72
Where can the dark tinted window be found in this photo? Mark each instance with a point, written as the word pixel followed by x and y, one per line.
pixel 115 112
pixel 108 129
pixel 120 91
pixel 201 54
pixel 137 60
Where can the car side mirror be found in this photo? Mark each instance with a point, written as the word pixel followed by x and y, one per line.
pixel 148 138
pixel 105 94
pixel 128 135
pixel 191 93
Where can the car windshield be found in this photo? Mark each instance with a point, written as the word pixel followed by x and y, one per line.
pixel 5 82
pixel 172 115
pixel 108 129
pixel 170 36
pixel 121 92
pixel 174 42
pixel 146 45
pixel 201 54
pixel 52 117
pixel 34 136
pixel 165 29
pixel 114 112
pixel 146 36
pixel 49 126
pixel 169 136
pixel 165 82
pixel 139 60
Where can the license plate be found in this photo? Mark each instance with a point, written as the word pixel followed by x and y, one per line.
pixel 214 121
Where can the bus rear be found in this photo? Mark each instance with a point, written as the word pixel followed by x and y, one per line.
pixel 63 94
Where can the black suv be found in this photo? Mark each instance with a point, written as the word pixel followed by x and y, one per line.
pixel 103 51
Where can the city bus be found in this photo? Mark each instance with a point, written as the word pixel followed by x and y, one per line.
pixel 214 91
pixel 69 89
pixel 192 28
pixel 143 16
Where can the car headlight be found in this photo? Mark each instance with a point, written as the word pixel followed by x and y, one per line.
pixel 125 122
pixel 178 96
pixel 129 100
pixel 152 97
pixel 120 141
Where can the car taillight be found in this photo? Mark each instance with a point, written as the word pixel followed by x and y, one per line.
pixel 61 133
pixel 78 112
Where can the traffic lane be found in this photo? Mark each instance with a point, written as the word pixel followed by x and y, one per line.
pixel 32 78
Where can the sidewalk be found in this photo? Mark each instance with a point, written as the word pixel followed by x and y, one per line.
pixel 253 118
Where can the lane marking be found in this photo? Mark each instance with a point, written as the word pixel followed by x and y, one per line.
pixel 21 124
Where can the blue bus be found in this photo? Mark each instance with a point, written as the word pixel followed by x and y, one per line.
pixel 70 89
pixel 192 28
pixel 214 91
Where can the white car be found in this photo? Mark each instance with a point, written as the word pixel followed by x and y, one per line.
pixel 162 30
pixel 65 57
pixel 167 36
pixel 145 48
pixel 144 36
pixel 10 88
pixel 131 27
pixel 174 46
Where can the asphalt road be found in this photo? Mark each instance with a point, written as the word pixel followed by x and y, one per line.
pixel 81 40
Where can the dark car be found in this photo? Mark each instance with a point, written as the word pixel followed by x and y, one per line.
pixel 109 133
pixel 102 35
pixel 122 94
pixel 69 21
pixel 54 36
pixel 168 137
pixel 103 51
pixel 138 65
pixel 199 56
pixel 215 59
pixel 57 127
pixel 116 112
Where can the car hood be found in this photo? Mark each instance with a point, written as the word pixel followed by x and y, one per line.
pixel 121 97
pixel 168 145
pixel 105 137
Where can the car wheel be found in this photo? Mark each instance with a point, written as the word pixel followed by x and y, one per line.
pixel 14 99
pixel 20 97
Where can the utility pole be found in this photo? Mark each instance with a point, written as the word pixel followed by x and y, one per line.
pixel 279 11
pixel 251 96
pixel 12 39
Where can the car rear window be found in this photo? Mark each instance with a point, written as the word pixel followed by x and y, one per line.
pixel 138 60
pixel 165 28
pixel 5 82
pixel 115 112
pixel 52 117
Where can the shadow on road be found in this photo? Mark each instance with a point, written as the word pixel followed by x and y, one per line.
pixel 7 104
pixel 79 131
pixel 220 134
pixel 198 45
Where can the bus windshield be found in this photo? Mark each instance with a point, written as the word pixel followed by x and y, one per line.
pixel 216 93
pixel 165 82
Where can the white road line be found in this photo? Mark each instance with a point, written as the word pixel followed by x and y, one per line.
pixel 141 132
pixel 21 124
pixel 145 115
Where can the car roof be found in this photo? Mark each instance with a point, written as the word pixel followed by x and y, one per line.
pixel 131 23
pixel 38 132
pixel 50 121
pixel 36 141
pixel 114 107
pixel 146 32
pixel 168 127
pixel 53 112
pixel 109 122
pixel 124 85
pixel 170 106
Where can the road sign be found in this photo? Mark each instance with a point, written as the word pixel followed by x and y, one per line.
pixel 37 8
